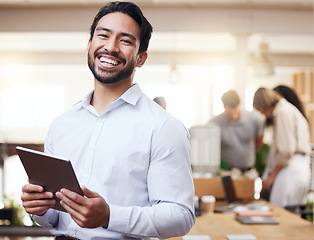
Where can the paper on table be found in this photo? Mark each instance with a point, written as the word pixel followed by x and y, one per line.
pixel 241 237
pixel 255 213
pixel 196 237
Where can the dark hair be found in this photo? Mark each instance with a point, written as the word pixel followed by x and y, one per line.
pixel 230 99
pixel 290 95
pixel 134 12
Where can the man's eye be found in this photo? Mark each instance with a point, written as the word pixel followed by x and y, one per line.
pixel 126 41
pixel 103 35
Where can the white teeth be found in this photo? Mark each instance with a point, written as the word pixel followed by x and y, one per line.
pixel 109 61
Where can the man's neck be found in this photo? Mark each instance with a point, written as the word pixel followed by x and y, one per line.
pixel 105 94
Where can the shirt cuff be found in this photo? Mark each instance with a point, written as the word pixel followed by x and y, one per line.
pixel 48 220
pixel 119 218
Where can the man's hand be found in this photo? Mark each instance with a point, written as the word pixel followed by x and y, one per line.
pixel 267 183
pixel 90 211
pixel 35 200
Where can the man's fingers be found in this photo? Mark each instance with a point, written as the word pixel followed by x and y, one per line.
pixel 69 196
pixel 36 196
pixel 72 207
pixel 38 207
pixel 39 203
pixel 32 188
pixel 70 199
pixel 88 193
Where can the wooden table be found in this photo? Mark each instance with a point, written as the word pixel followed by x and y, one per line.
pixel 218 225
pixel 290 227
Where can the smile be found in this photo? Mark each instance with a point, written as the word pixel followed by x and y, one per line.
pixel 108 61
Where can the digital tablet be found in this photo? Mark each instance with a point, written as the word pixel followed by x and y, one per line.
pixel 50 172
pixel 256 220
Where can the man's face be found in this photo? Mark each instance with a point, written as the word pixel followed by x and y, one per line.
pixel 113 51
pixel 233 114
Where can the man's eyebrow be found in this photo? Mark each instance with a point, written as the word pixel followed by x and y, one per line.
pixel 103 29
pixel 122 33
pixel 129 35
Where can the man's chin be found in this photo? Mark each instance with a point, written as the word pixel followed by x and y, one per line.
pixel 109 79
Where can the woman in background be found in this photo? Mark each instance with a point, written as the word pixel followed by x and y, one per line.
pixel 291 96
pixel 289 177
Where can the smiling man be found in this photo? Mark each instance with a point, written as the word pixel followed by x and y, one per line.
pixel 130 156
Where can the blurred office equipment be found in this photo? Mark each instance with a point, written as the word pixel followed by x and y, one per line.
pixel 205 149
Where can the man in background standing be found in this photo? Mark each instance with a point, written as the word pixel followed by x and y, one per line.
pixel 241 133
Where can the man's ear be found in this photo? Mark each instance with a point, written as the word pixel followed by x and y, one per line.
pixel 141 59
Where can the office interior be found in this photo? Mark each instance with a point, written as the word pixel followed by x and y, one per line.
pixel 199 50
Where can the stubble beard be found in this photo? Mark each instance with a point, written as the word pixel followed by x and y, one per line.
pixel 102 75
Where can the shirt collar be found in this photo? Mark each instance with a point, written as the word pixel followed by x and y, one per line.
pixel 85 102
pixel 131 96
pixel 240 121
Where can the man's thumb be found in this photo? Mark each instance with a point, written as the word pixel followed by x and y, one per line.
pixel 88 193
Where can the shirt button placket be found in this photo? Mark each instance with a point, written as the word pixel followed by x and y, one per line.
pixel 92 144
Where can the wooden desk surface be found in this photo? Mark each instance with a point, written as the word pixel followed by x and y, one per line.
pixel 290 227
pixel 218 225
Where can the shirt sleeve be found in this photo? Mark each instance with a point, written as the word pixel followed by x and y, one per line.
pixel 170 186
pixel 48 220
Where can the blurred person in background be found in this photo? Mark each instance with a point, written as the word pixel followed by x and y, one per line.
pixel 288 177
pixel 161 101
pixel 291 96
pixel 241 133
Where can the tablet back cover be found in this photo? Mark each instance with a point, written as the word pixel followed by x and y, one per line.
pixel 256 220
pixel 52 173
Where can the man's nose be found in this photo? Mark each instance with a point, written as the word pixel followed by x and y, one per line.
pixel 112 45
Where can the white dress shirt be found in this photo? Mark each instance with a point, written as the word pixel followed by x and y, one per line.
pixel 136 156
pixel 290 148
pixel 290 132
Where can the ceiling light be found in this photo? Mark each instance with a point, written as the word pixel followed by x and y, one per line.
pixel 262 64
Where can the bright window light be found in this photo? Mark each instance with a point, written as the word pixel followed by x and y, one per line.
pixel 179 99
pixel 26 106
pixel 250 91
pixel 49 105
pixel 217 104
pixel 16 106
